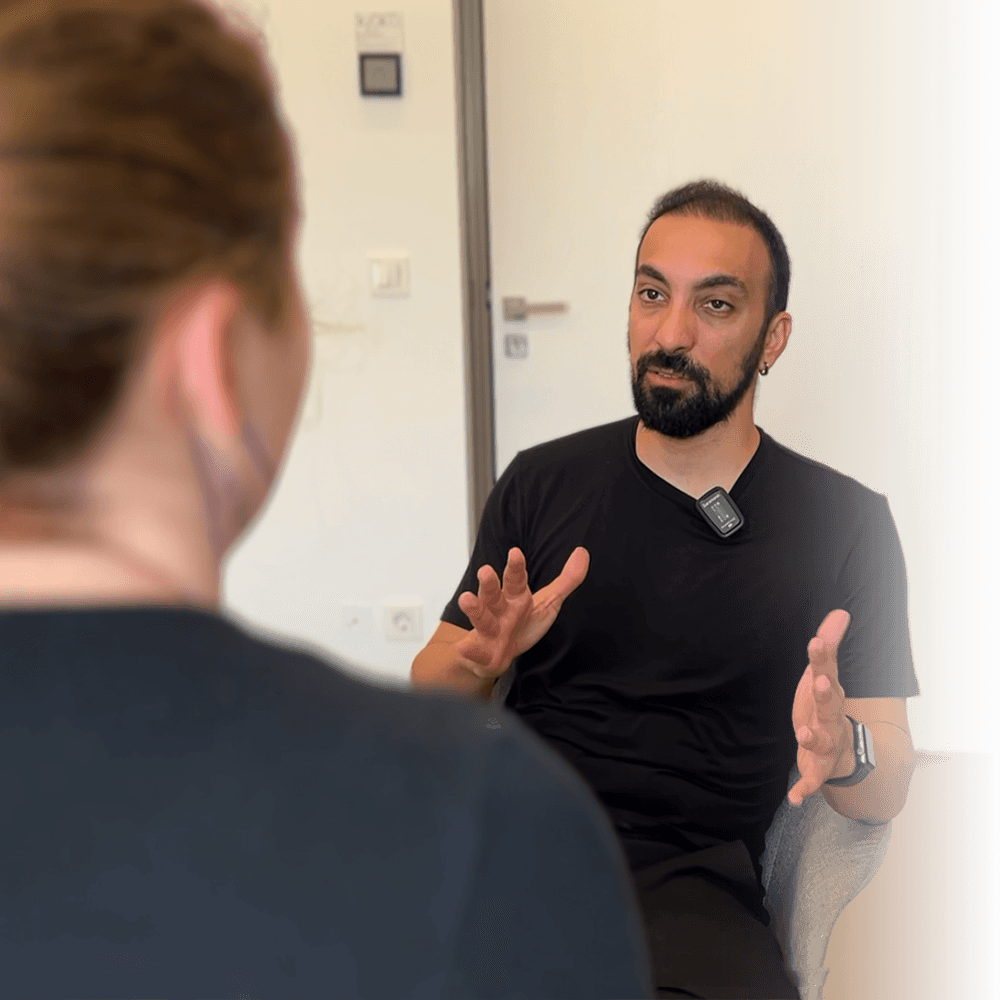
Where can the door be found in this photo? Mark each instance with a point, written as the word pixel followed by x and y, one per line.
pixel 816 113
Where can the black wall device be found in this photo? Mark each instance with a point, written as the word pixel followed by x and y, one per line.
pixel 381 74
pixel 719 510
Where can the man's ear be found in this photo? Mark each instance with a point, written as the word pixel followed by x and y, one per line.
pixel 203 326
pixel 778 332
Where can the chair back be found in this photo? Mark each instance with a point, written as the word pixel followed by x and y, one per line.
pixel 815 862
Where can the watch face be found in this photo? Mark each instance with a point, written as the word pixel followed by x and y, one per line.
pixel 864 756
pixel 869 744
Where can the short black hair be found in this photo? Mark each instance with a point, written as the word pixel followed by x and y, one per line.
pixel 712 200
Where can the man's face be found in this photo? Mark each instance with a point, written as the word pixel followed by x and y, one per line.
pixel 697 324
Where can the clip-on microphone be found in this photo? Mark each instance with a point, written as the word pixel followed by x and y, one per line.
pixel 719 510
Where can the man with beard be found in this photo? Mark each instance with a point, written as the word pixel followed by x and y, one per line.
pixel 720 609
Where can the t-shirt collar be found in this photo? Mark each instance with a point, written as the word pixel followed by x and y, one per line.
pixel 664 488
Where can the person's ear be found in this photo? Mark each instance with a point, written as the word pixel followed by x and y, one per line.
pixel 778 332
pixel 205 330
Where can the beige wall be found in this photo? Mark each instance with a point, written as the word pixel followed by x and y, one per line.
pixel 372 504
pixel 994 784
pixel 925 927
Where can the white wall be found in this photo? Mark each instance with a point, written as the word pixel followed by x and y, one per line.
pixel 372 502
pixel 958 370
pixel 874 142
pixel 994 366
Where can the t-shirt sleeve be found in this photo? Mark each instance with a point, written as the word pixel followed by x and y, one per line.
pixel 551 910
pixel 499 531
pixel 875 659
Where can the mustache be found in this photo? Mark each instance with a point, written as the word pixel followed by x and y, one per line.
pixel 673 364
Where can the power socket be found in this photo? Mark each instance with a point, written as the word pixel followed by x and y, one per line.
pixel 357 618
pixel 404 623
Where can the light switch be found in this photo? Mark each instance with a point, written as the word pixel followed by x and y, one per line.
pixel 390 275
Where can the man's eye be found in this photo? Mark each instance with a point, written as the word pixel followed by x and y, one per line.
pixel 648 294
pixel 719 305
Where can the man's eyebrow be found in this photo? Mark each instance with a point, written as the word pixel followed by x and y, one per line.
pixel 722 281
pixel 712 281
pixel 650 272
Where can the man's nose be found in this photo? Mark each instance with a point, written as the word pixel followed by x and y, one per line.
pixel 676 329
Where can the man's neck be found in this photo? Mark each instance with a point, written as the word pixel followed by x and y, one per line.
pixel 695 465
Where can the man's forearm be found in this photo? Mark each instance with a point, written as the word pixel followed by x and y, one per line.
pixel 437 665
pixel 880 796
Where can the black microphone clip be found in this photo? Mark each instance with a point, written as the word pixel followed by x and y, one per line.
pixel 719 510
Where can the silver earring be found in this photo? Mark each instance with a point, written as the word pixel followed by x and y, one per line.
pixel 765 369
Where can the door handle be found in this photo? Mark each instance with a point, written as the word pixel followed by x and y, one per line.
pixel 518 309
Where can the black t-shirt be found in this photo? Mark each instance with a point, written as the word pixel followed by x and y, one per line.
pixel 667 679
pixel 188 811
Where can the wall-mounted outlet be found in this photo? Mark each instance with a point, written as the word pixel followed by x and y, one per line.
pixel 357 618
pixel 403 622
pixel 390 275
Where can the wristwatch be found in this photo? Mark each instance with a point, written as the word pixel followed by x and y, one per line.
pixel 864 756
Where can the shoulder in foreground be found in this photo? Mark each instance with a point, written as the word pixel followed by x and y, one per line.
pixel 821 475
pixel 325 693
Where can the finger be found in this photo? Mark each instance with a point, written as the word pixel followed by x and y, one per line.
pixel 490 594
pixel 818 740
pixel 802 703
pixel 515 574
pixel 829 701
pixel 829 689
pixel 805 686
pixel 475 662
pixel 480 670
pixel 471 663
pixel 822 658
pixel 824 689
pixel 574 572
pixel 483 620
pixel 472 647
pixel 468 602
pixel 801 790
pixel 477 655
pixel 832 630
pixel 815 739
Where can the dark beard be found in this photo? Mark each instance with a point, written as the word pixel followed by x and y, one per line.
pixel 667 411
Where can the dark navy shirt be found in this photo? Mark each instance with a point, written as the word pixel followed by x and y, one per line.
pixel 189 811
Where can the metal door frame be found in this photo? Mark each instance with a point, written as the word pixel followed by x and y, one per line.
pixel 474 221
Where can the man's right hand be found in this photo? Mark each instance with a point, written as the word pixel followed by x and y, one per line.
pixel 508 620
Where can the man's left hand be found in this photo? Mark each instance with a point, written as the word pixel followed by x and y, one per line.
pixel 821 727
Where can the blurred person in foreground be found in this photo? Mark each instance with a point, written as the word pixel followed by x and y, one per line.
pixel 188 810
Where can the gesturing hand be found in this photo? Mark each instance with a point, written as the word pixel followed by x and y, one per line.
pixel 818 709
pixel 509 620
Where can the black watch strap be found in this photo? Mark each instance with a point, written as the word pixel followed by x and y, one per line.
pixel 864 756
